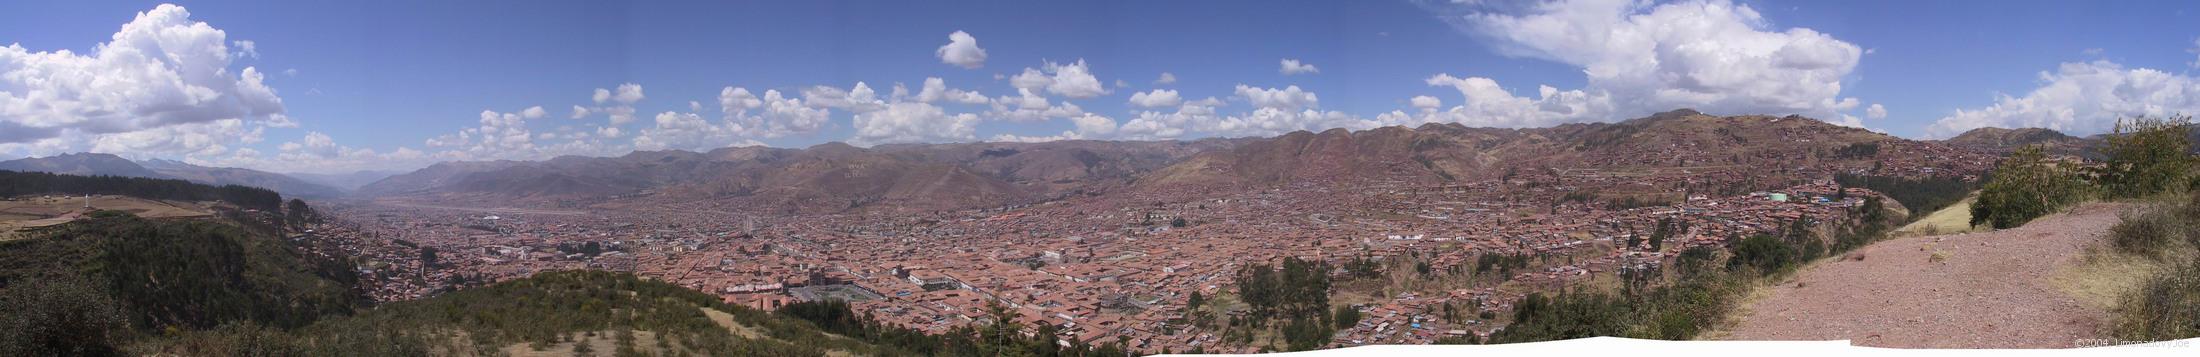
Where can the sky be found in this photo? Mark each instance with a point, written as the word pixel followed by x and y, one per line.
pixel 323 87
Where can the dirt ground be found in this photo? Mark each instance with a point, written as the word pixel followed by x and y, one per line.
pixel 1971 290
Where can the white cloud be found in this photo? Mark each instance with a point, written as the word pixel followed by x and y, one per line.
pixel 771 116
pixel 936 90
pixel 962 50
pixel 1166 78
pixel 688 131
pixel 2082 98
pixel 534 112
pixel 1156 98
pixel 1288 98
pixel 1275 111
pixel 163 86
pixel 1427 102
pixel 1028 106
pixel 1074 80
pixel 859 99
pixel 2194 50
pixel 621 104
pixel 1487 104
pixel 1876 111
pixel 246 49
pixel 1642 58
pixel 628 93
pixel 1292 66
pixel 911 122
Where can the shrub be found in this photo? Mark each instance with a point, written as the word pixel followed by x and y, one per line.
pixel 2025 186
pixel 2147 155
pixel 2166 308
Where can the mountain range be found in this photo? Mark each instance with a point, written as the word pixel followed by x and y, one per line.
pixel 837 177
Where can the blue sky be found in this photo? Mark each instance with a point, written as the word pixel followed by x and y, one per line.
pixel 397 85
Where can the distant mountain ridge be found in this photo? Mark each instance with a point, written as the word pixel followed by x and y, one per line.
pixel 825 178
pixel 89 164
pixel 837 177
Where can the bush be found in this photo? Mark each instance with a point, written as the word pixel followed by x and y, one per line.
pixel 1764 253
pixel 2147 155
pixel 2166 308
pixel 2025 186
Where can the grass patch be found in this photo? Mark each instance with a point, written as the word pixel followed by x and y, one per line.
pixel 1956 218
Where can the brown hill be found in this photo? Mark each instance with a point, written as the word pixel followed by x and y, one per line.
pixel 826 178
pixel 1441 153
pixel 2000 140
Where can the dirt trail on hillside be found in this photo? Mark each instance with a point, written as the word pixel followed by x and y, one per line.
pixel 1988 290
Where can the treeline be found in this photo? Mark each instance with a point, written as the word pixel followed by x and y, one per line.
pixel 14 183
pixel 1921 195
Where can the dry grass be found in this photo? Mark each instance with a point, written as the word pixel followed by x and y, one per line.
pixel 2102 278
pixel 1955 218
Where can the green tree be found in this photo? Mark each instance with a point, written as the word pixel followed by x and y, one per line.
pixel 1347 316
pixel 2147 155
pixel 2025 185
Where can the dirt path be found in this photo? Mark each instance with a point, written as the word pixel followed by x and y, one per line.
pixel 1984 290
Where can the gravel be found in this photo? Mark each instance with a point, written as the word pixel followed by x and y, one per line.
pixel 1992 290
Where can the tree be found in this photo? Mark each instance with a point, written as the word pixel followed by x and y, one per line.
pixel 2025 185
pixel 1196 299
pixel 2147 155
pixel 1346 316
pixel 59 317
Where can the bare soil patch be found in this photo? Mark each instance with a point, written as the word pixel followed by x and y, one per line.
pixel 1973 290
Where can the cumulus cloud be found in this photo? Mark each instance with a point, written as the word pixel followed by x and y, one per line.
pixel 1074 80
pixel 1876 111
pixel 688 131
pixel 1275 111
pixel 1028 106
pixel 1292 66
pixel 962 50
pixel 1642 58
pixel 1426 102
pixel 936 90
pixel 1156 98
pixel 912 122
pixel 859 99
pixel 2082 98
pixel 770 116
pixel 617 105
pixel 1290 98
pixel 1166 78
pixel 163 85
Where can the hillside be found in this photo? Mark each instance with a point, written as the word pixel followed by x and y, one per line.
pixel 1446 153
pixel 2000 140
pixel 1971 290
pixel 836 177
pixel 826 178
